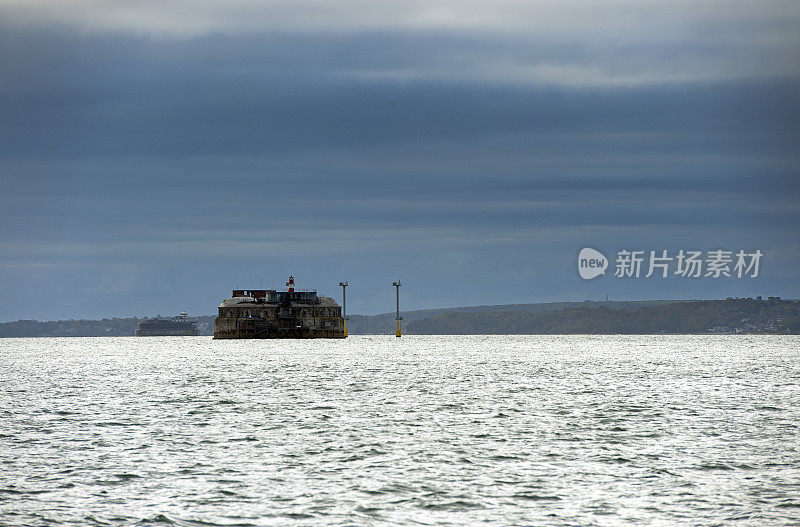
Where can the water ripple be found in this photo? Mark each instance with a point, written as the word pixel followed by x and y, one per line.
pixel 545 430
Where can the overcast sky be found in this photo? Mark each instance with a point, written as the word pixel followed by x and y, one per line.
pixel 155 155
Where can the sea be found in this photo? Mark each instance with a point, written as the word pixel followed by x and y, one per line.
pixel 419 430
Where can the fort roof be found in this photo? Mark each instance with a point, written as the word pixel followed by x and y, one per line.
pixel 271 297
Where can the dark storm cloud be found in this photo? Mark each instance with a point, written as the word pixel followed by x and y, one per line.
pixel 114 96
pixel 128 158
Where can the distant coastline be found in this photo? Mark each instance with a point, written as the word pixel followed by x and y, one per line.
pixel 730 316
pixel 734 316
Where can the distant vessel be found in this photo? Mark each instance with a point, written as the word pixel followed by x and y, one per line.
pixel 179 326
pixel 268 313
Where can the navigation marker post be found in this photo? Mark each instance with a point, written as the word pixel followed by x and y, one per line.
pixel 399 318
pixel 344 285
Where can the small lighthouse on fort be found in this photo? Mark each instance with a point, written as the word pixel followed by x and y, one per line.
pixel 290 284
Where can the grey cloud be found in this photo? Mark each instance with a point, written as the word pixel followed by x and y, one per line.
pixel 575 44
pixel 106 97
pixel 157 168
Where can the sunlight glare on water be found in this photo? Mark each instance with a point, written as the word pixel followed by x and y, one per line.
pixel 444 430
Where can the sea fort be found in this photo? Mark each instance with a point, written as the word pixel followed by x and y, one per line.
pixel 268 313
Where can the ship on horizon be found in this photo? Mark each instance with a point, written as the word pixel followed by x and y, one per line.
pixel 177 326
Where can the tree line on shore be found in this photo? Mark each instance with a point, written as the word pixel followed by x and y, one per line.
pixel 748 316
pixel 107 327
pixel 734 315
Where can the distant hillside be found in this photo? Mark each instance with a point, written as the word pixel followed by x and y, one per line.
pixel 645 317
pixel 696 317
pixel 108 327
pixel 384 324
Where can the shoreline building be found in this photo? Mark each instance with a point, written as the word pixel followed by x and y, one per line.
pixel 268 313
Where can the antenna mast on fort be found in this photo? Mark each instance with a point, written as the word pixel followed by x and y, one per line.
pixel 399 318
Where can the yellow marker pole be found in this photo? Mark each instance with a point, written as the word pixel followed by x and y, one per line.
pixel 344 285
pixel 399 318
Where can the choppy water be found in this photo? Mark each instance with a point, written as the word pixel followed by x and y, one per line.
pixel 414 431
